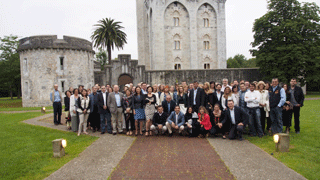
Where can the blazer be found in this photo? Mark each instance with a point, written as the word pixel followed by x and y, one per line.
pixel 101 103
pixel 127 102
pixel 84 104
pixel 172 118
pixel 137 103
pixel 216 95
pixel 157 119
pixel 112 103
pixel 94 99
pixel 212 99
pixel 184 98
pixel 224 102
pixel 200 96
pixel 239 114
pixel 73 105
pixel 165 106
pixel 298 95
pixel 205 121
pixel 158 102
pixel 66 103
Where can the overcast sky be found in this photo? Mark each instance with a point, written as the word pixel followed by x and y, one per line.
pixel 77 17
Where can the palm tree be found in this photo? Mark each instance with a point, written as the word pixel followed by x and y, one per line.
pixel 108 34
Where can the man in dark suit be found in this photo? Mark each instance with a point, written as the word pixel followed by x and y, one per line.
pixel 235 118
pixel 104 111
pixel 297 98
pixel 197 97
pixel 168 105
pixel 218 94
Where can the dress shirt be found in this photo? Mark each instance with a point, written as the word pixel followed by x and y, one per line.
pixel 219 95
pixel 56 96
pixel 168 107
pixel 233 120
pixel 104 98
pixel 241 98
pixel 117 95
pixel 194 96
pixel 282 95
pixel 177 115
pixel 143 91
pixel 252 98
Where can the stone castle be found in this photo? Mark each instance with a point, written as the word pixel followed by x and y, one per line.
pixel 177 41
pixel 184 34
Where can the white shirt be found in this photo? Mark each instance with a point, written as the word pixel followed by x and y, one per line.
pixel 219 95
pixel 252 99
pixel 177 118
pixel 104 98
pixel 233 120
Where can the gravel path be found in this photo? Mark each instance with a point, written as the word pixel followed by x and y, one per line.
pixel 247 161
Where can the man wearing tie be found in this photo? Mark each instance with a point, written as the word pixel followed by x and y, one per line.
pixel 235 118
pixel 56 98
pixel 104 110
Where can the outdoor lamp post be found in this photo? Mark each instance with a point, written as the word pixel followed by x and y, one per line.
pixel 43 110
pixel 282 141
pixel 58 147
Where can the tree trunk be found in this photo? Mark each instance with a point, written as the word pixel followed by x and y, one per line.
pixel 109 53
pixel 19 91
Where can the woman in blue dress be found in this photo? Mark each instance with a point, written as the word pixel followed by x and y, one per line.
pixel 138 110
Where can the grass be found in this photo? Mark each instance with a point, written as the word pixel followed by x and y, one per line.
pixel 8 104
pixel 26 150
pixel 304 152
pixel 313 94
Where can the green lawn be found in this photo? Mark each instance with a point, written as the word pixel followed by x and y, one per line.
pixel 313 94
pixel 304 155
pixel 8 104
pixel 26 150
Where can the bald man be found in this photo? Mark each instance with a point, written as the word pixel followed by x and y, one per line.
pixel 115 107
pixel 55 97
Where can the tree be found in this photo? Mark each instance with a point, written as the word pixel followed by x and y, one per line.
pixel 240 61
pixel 287 42
pixel 102 58
pixel 108 34
pixel 10 77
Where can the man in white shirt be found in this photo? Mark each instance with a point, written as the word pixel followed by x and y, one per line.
pixel 225 84
pixel 252 98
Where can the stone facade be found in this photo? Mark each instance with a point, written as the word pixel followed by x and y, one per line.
pixel 46 60
pixel 184 34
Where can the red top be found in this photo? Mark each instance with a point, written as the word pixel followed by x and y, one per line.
pixel 205 121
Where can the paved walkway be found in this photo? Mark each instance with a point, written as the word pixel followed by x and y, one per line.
pixel 168 158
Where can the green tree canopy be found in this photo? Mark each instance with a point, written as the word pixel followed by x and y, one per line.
pixel 10 77
pixel 286 41
pixel 108 34
pixel 240 61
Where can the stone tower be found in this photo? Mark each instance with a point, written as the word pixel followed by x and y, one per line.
pixel 46 60
pixel 184 34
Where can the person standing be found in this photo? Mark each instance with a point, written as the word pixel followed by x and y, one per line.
pixel 252 98
pixel 264 104
pixel 144 88
pixel 228 95
pixel 84 105
pixel 182 99
pixel 94 116
pixel 128 113
pixel 197 97
pixel 138 111
pixel 67 108
pixel 176 121
pixel 56 98
pixel 168 105
pixel 218 94
pixel 104 111
pixel 149 101
pixel 225 84
pixel 114 104
pixel 235 118
pixel 74 110
pixel 277 98
pixel 297 98
pixel 165 93
pixel 287 109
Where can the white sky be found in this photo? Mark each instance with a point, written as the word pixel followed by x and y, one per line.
pixel 77 17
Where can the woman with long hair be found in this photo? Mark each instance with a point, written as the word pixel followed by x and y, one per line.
pixel 149 101
pixel 138 111
pixel 182 100
pixel 228 95
pixel 128 112
pixel 263 104
pixel 165 93
pixel 204 124
pixel 84 105
pixel 218 117
pixel 191 118
pixel 74 110
pixel 287 109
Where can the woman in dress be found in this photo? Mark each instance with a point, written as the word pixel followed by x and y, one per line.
pixel 263 104
pixel 73 110
pixel 268 118
pixel 67 108
pixel 204 124
pixel 84 105
pixel 235 92
pixel 182 100
pixel 149 101
pixel 228 95
pixel 138 111
pixel 128 113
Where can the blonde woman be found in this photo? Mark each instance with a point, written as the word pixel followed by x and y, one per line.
pixel 228 95
pixel 182 99
pixel 165 93
pixel 84 105
pixel 210 98
pixel 264 104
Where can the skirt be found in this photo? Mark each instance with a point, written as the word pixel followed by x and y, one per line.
pixel 140 115
pixel 182 108
pixel 149 111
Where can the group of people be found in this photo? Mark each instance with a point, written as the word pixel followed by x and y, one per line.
pixel 194 110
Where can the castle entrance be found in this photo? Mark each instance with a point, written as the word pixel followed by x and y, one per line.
pixel 124 79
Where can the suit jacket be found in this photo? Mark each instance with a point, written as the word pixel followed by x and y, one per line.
pixel 172 118
pixel 212 99
pixel 111 102
pixel 165 106
pixel 298 95
pixel 101 103
pixel 94 99
pixel 218 101
pixel 200 97
pixel 239 114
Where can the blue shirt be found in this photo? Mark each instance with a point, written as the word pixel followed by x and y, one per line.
pixel 282 95
pixel 168 106
pixel 56 96
pixel 117 99
pixel 194 96
pixel 242 103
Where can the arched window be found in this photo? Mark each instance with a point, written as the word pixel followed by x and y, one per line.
pixel 206 22
pixel 177 66
pixel 206 45
pixel 176 21
pixel 206 66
